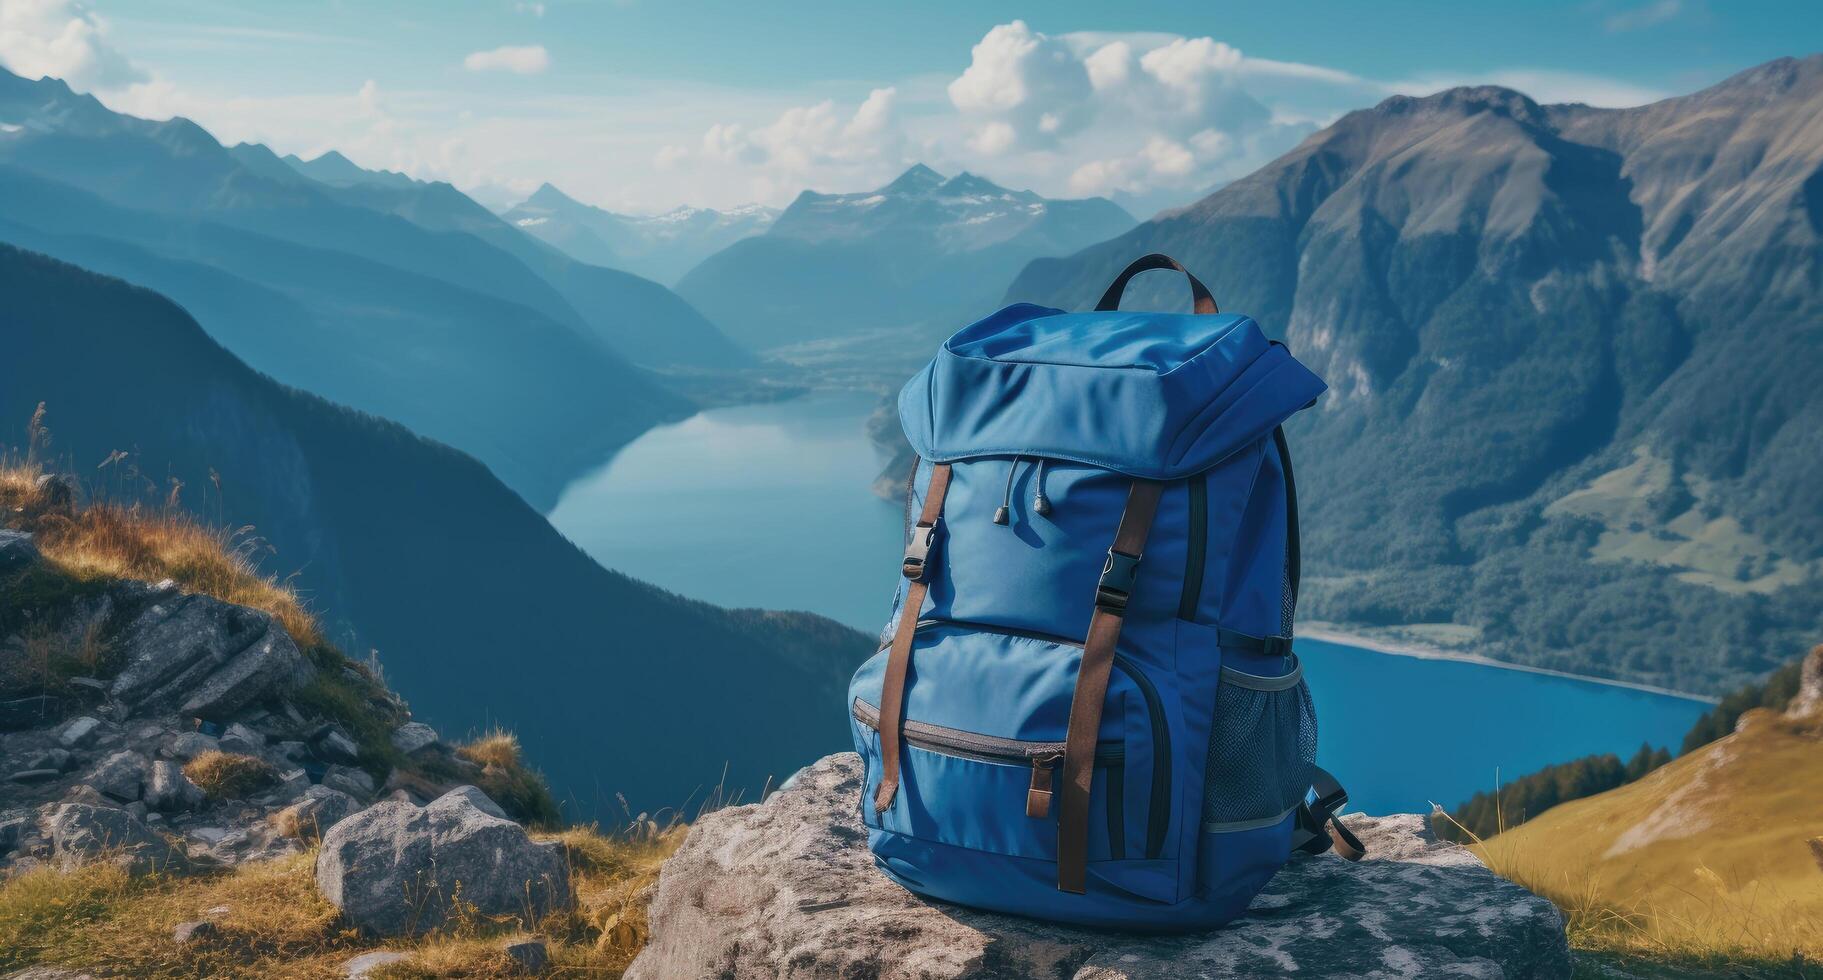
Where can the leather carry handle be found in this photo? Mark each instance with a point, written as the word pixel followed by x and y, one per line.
pixel 1110 300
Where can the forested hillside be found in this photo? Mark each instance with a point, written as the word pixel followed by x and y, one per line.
pixel 1572 355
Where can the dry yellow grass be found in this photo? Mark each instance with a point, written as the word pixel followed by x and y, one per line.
pixel 271 922
pixel 508 781
pixel 106 540
pixel 1705 863
pixel 229 775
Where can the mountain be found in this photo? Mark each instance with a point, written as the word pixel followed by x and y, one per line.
pixel 660 246
pixel 1572 352
pixel 923 251
pixel 332 167
pixel 478 608
pixel 348 292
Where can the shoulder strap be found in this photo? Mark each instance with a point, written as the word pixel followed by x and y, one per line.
pixel 1201 300
pixel 915 567
pixel 1111 595
pixel 1318 827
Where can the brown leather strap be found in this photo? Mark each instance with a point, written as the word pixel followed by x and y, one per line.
pixel 1111 596
pixel 916 567
pixel 1201 299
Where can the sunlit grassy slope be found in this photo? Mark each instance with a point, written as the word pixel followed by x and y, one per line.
pixel 1707 863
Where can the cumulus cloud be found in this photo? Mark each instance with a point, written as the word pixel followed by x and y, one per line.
pixel 530 9
pixel 520 59
pixel 63 39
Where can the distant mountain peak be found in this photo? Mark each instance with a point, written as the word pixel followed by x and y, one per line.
pixel 1466 100
pixel 548 195
pixel 915 179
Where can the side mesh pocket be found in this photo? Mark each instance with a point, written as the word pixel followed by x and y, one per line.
pixel 1262 749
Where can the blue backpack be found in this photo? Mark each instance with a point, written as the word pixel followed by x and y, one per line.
pixel 1086 707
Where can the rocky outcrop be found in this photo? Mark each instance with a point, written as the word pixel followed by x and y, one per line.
pixel 787 888
pixel 201 657
pixel 1809 699
pixel 81 833
pixel 396 868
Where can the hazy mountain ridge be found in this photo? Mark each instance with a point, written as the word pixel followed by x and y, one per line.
pixel 660 246
pixel 1512 303
pixel 426 556
pixel 924 251
pixel 425 315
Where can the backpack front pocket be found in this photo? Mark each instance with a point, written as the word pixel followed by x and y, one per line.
pixel 983 740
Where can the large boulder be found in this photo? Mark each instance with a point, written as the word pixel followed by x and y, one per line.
pixel 121 775
pixel 394 867
pixel 168 790
pixel 787 888
pixel 16 551
pixel 321 808
pixel 197 656
pixel 81 833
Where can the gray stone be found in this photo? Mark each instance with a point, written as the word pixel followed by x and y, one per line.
pixel 28 776
pixel 293 750
pixel 393 868
pixel 12 830
pixel 49 973
pixel 242 740
pixel 59 759
pixel 189 745
pixel 366 963
pixel 194 932
pixel 320 809
pixel 121 775
pixel 414 735
pixel 80 732
pixel 57 491
pixel 354 782
pixel 197 656
pixel 81 833
pixel 293 783
pixel 170 791
pixel 479 800
pixel 335 746
pixel 528 955
pixel 1809 699
pixel 16 551
pixel 787 888
pixel 84 793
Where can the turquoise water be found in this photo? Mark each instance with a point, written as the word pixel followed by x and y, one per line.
pixel 768 505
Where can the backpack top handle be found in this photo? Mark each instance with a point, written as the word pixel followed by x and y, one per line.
pixel 1110 300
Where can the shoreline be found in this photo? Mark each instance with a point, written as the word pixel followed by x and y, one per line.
pixel 1329 633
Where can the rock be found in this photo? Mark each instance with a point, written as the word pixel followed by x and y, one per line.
pixel 170 791
pixel 49 973
pixel 189 745
pixel 334 746
pixel 197 656
pixel 414 735
pixel 57 491
pixel 477 799
pixel 320 809
pixel 80 833
pixel 528 955
pixel 138 809
pixel 16 551
pixel 59 759
pixel 121 775
pixel 80 732
pixel 293 783
pixel 787 887
pixel 19 714
pixel 193 932
pixel 366 963
pixel 393 867
pixel 28 776
pixel 354 782
pixel 12 830
pixel 84 793
pixel 293 750
pixel 241 740
pixel 1809 699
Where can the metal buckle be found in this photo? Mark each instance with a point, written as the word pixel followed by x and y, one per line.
pixel 917 553
pixel 1117 578
pixel 1326 806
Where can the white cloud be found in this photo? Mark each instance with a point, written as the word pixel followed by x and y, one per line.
pixel 1639 18
pixel 520 59
pixel 531 9
pixel 63 39
pixel 1546 86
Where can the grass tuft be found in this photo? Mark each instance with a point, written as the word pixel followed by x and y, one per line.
pixel 229 775
pixel 519 789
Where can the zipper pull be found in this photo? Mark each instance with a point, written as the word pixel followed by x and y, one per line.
pixel 1040 503
pixel 1038 798
pixel 1002 514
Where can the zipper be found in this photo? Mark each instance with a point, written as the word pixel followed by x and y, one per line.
pixel 1158 810
pixel 1195 546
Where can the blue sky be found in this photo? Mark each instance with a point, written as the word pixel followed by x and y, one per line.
pixel 641 105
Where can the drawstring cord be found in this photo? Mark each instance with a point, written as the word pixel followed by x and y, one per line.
pixel 1003 515
pixel 1040 503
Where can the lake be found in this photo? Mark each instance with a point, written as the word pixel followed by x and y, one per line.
pixel 769 506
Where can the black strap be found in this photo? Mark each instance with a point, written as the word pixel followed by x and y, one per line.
pixel 1202 300
pixel 1272 646
pixel 1318 827
pixel 1293 547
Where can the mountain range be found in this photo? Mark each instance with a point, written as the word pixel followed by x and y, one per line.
pixel 921 253
pixel 1573 418
pixel 474 603
pixel 403 299
pixel 658 246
